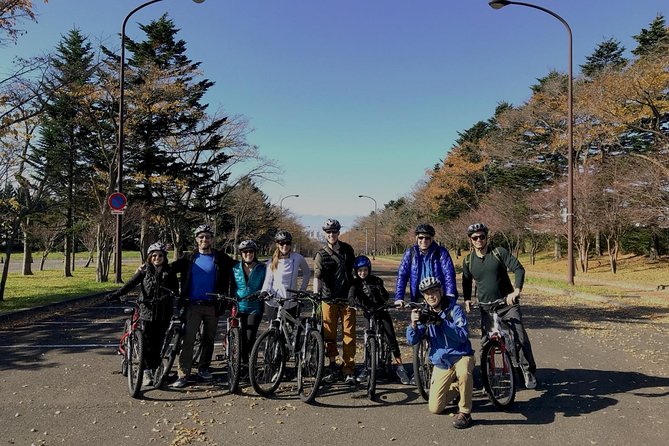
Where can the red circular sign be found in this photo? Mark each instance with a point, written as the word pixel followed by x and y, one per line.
pixel 117 201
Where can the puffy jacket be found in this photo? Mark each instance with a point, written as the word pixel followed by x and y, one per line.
pixel 449 340
pixel 244 287
pixel 411 266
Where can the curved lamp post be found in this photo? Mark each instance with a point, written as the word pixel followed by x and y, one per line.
pixel 498 4
pixel 121 135
pixel 375 212
pixel 281 203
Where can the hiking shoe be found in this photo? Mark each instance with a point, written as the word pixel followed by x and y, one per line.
pixel 402 374
pixel 462 420
pixel 350 380
pixel 362 376
pixel 530 380
pixel 205 374
pixel 332 374
pixel 412 381
pixel 147 380
pixel 180 383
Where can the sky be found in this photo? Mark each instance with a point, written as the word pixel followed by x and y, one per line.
pixel 356 97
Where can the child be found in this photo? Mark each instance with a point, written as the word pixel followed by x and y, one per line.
pixel 369 292
pixel 450 351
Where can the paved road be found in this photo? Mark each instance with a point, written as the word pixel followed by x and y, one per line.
pixel 603 380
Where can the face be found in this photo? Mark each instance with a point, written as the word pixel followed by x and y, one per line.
pixel 479 240
pixel 204 240
pixel 157 258
pixel 363 272
pixel 284 247
pixel 332 236
pixel 432 296
pixel 248 255
pixel 424 241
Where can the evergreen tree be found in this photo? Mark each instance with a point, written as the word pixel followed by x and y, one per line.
pixel 654 40
pixel 608 55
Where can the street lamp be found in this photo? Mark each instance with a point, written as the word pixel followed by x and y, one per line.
pixel 121 135
pixel 281 202
pixel 375 212
pixel 366 238
pixel 498 4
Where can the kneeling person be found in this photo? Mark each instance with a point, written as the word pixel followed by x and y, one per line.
pixel 450 352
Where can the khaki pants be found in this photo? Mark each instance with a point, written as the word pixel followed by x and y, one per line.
pixel 331 316
pixel 447 384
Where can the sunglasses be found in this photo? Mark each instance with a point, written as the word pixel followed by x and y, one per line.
pixel 332 232
pixel 424 237
pixel 478 237
pixel 284 243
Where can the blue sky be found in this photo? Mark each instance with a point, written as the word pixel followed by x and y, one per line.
pixel 357 96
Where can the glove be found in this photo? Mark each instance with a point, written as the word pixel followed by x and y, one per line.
pixel 399 303
pixel 112 297
pixel 264 295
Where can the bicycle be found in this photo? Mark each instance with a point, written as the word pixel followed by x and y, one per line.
pixel 499 358
pixel 301 338
pixel 131 347
pixel 376 353
pixel 422 367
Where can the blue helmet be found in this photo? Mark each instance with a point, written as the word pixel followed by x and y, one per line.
pixel 362 261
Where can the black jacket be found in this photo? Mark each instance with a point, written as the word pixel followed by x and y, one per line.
pixel 155 304
pixel 335 270
pixel 223 263
pixel 370 292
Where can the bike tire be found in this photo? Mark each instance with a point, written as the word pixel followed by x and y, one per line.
pixel 234 358
pixel 372 363
pixel 124 347
pixel 497 375
pixel 267 363
pixel 386 359
pixel 168 354
pixel 422 368
pixel 310 367
pixel 135 362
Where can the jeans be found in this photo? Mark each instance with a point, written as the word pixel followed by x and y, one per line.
pixel 195 314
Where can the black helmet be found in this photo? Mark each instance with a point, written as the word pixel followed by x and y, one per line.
pixel 203 228
pixel 248 245
pixel 283 236
pixel 424 228
pixel 157 247
pixel 362 261
pixel 331 225
pixel 428 283
pixel 477 227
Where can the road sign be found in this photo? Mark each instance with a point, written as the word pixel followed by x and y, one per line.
pixel 117 202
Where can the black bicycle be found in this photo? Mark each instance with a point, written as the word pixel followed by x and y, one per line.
pixel 422 366
pixel 171 344
pixel 377 354
pixel 286 337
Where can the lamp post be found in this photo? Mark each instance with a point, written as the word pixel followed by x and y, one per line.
pixel 121 136
pixel 281 203
pixel 375 212
pixel 498 4
pixel 366 238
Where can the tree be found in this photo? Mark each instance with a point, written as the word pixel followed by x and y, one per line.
pixel 607 56
pixel 654 40
pixel 12 12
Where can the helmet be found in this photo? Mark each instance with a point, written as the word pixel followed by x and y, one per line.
pixel 248 245
pixel 331 225
pixel 283 236
pixel 428 283
pixel 477 227
pixel 203 228
pixel 157 247
pixel 362 261
pixel 424 228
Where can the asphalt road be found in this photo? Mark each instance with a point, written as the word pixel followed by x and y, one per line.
pixel 603 380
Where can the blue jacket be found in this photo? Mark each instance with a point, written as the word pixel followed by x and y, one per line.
pixel 245 288
pixel 411 267
pixel 449 341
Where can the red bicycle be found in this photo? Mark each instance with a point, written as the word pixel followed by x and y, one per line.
pixel 131 347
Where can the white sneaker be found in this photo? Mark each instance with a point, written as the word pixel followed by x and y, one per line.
pixel 147 380
pixel 350 380
pixel 402 374
pixel 530 380
pixel 180 383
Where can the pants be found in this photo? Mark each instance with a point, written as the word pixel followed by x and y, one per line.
pixel 389 332
pixel 448 383
pixel 512 316
pixel 195 314
pixel 154 335
pixel 249 330
pixel 331 316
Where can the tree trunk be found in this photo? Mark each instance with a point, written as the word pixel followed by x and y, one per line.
pixel 27 269
pixel 557 250
pixel 8 254
pixel 598 244
pixel 90 257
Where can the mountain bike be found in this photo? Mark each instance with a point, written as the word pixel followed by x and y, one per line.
pixel 422 367
pixel 131 347
pixel 499 358
pixel 376 353
pixel 286 337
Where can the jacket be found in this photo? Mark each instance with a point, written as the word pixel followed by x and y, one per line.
pixel 335 271
pixel 286 276
pixel 244 287
pixel 449 340
pixel 369 292
pixel 223 263
pixel 155 304
pixel 411 266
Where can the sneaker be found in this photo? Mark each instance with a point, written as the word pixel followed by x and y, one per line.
pixel 332 374
pixel 402 374
pixel 205 374
pixel 462 420
pixel 180 383
pixel 362 376
pixel 530 380
pixel 147 380
pixel 412 381
pixel 350 380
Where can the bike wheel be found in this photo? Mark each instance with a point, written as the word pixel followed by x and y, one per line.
pixel 497 375
pixel 135 362
pixel 422 368
pixel 197 346
pixel 168 354
pixel 371 362
pixel 386 359
pixel 310 367
pixel 234 356
pixel 123 348
pixel 267 363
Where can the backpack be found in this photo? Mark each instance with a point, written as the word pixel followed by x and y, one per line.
pixel 495 252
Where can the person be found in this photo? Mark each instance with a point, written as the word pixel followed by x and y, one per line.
pixel 368 291
pixel 248 275
pixel 333 276
pixel 425 259
pixel 206 270
pixel 283 271
pixel 489 268
pixel 155 303
pixel 450 351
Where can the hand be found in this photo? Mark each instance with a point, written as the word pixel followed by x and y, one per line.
pixel 399 303
pixel 512 298
pixel 112 297
pixel 415 317
pixel 264 295
pixel 468 306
